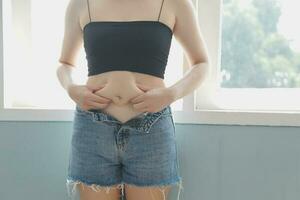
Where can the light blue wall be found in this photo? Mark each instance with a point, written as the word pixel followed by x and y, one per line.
pixel 217 162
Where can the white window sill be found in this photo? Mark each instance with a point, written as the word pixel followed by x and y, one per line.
pixel 233 117
pixel 228 117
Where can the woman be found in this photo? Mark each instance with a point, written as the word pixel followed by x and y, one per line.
pixel 123 131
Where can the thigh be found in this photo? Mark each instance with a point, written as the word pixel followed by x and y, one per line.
pixel 146 193
pixel 87 192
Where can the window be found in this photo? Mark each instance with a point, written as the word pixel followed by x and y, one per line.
pixel 32 37
pixel 260 56
pixel 259 43
pixel 254 53
pixel 255 59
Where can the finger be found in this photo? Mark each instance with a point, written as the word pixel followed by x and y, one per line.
pixel 137 99
pixel 143 88
pixel 99 99
pixel 140 106
pixel 96 104
pixel 93 89
pixel 99 95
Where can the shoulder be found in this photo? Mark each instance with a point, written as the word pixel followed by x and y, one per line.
pixel 77 3
pixel 76 6
pixel 183 2
pixel 75 10
pixel 182 6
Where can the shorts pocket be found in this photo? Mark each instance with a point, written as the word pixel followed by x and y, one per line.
pixel 164 124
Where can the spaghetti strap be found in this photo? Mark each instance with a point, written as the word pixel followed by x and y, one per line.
pixel 160 9
pixel 88 5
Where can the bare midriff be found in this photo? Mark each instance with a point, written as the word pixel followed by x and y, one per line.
pixel 121 87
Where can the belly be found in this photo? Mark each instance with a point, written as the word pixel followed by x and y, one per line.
pixel 120 87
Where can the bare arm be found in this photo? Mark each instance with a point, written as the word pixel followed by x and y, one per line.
pixel 187 33
pixel 71 44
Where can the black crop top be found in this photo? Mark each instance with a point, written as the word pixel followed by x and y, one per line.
pixel 138 46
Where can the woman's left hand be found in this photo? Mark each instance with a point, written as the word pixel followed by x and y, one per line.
pixel 152 100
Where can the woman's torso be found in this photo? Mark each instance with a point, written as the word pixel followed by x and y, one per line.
pixel 121 86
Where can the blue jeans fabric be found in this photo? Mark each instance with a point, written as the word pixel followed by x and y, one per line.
pixel 105 152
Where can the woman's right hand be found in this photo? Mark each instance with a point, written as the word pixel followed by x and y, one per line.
pixel 86 99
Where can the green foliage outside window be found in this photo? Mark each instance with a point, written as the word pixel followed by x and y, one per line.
pixel 254 53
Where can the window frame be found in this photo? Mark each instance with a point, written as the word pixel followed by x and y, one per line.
pixel 197 106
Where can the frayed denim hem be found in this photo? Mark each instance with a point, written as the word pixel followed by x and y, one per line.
pixel 72 184
pixel 179 183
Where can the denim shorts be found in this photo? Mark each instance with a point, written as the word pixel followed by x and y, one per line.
pixel 105 152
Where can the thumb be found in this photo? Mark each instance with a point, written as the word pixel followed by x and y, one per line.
pixel 96 88
pixel 142 87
